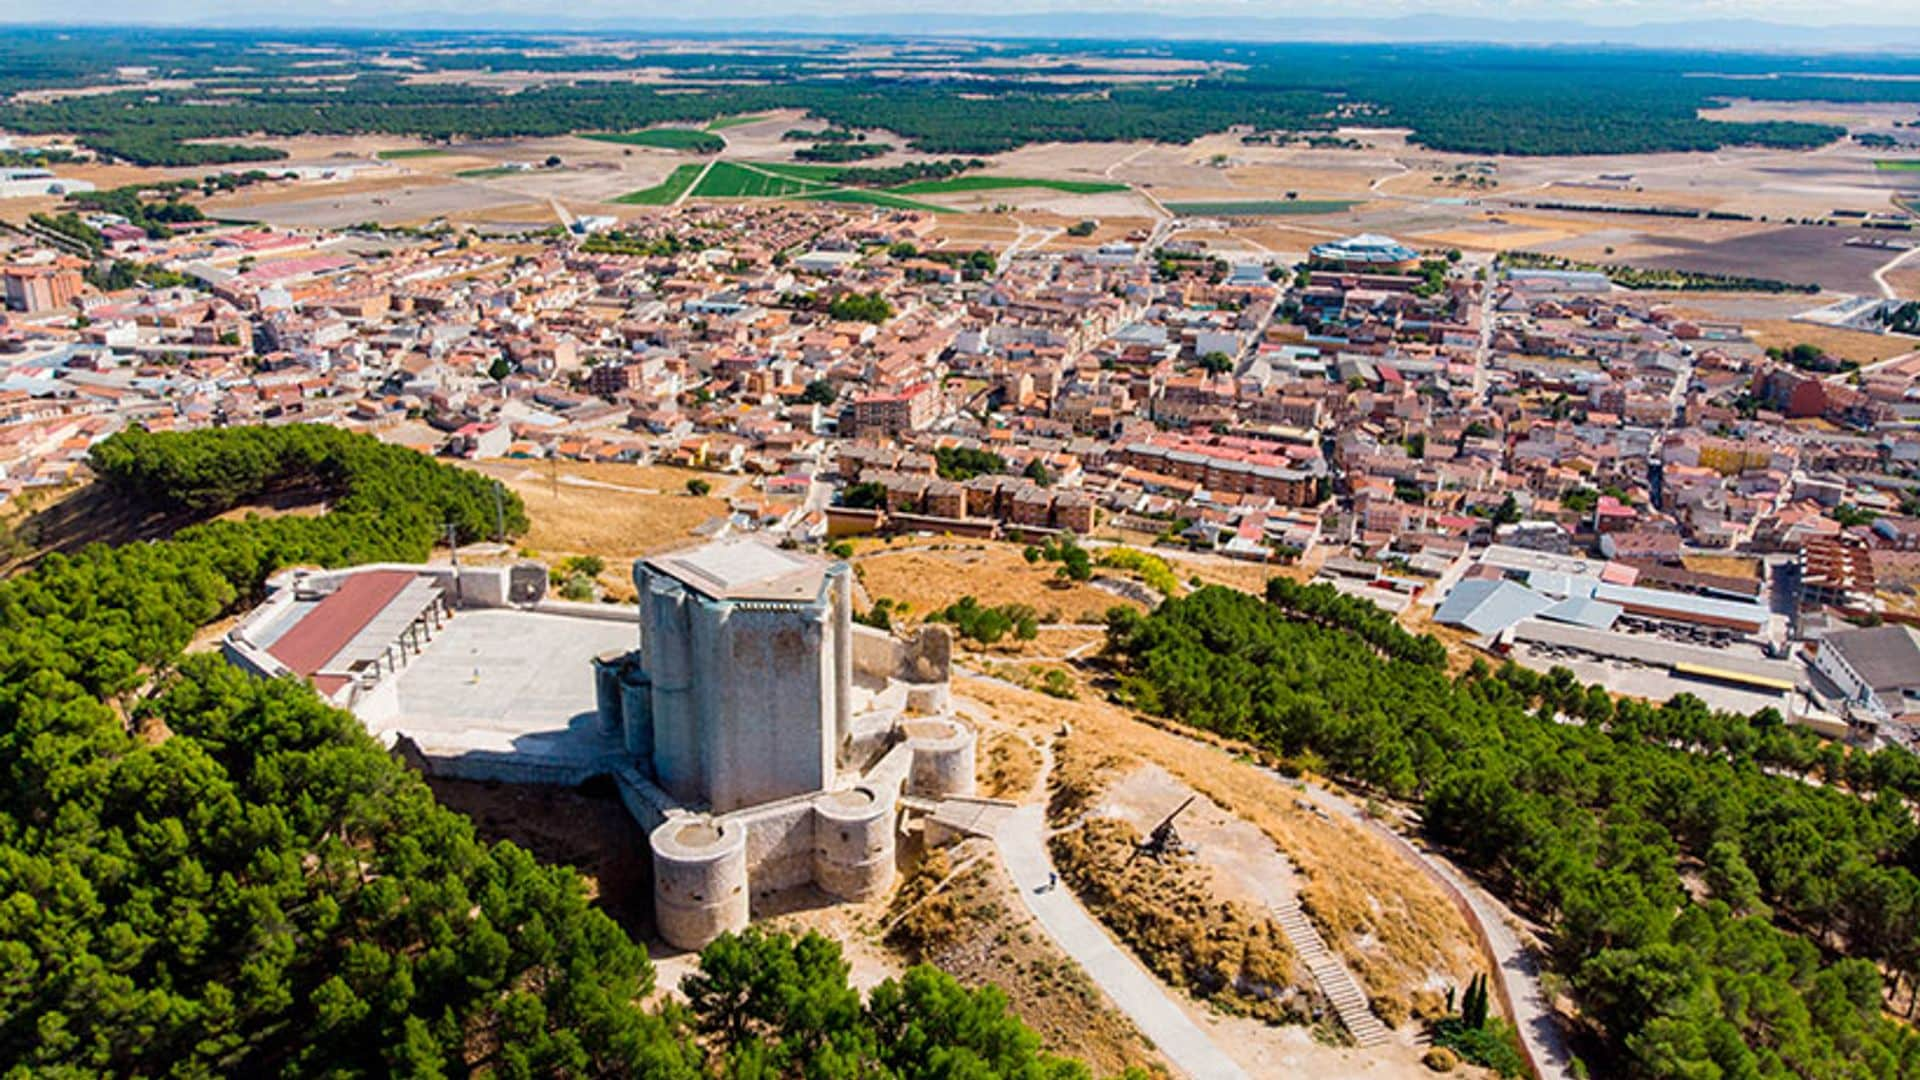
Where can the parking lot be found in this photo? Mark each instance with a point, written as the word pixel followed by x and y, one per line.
pixel 1643 681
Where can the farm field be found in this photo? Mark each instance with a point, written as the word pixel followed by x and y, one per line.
pixel 999 183
pixel 1898 165
pixel 877 198
pixel 666 191
pixel 488 172
pixel 413 152
pixel 1263 208
pixel 726 122
pixel 799 171
pixel 733 180
pixel 1799 254
pixel 698 142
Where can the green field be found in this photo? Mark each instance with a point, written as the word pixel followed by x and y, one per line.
pixel 698 142
pixel 877 198
pixel 1262 208
pixel 731 180
pixel 1898 165
pixel 726 122
pixel 667 191
pixel 487 173
pixel 818 174
pixel 957 184
pixel 414 152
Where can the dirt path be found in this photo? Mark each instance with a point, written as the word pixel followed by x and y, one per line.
pixel 1517 964
pixel 704 170
pixel 1880 275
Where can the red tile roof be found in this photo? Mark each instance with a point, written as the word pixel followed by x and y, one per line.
pixel 334 621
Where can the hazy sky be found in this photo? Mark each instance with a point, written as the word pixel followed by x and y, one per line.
pixel 473 13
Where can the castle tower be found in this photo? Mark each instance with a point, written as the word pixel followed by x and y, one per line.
pixel 745 656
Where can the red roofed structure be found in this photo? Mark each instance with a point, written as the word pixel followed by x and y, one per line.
pixel 374 619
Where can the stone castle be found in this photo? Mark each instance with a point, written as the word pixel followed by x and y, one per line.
pixel 773 740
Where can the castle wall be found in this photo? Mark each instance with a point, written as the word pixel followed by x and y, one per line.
pixel 609 709
pixel 779 845
pixel 765 737
pixel 636 717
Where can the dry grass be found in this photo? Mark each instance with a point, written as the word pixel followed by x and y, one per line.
pixel 1330 179
pixel 978 931
pixel 1225 952
pixel 1393 926
pixel 1461 651
pixel 614 523
pixel 1472 240
pixel 1006 767
pixel 283 191
pixel 930 578
pixel 1852 345
pixel 1847 344
pixel 1276 237
pixel 1652 194
pixel 1248 577
pixel 665 479
pixel 1739 566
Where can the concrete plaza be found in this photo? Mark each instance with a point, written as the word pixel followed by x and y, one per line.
pixel 504 694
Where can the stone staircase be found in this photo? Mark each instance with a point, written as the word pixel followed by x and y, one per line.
pixel 1332 976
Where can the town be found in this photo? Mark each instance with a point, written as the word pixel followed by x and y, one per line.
pixel 614 553
pixel 1558 469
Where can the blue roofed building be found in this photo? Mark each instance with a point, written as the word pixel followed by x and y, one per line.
pixel 1489 607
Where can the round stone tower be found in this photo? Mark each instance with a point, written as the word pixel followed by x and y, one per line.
pixel 699 880
pixel 853 843
pixel 942 758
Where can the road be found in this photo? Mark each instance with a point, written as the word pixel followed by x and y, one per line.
pixel 1029 238
pixel 704 170
pixel 1880 275
pixel 1868 369
pixel 1483 348
pixel 1022 840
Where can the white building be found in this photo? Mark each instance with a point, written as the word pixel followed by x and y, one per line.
pixel 1877 670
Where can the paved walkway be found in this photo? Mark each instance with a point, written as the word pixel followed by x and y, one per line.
pixel 1022 839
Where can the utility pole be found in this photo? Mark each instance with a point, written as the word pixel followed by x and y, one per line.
pixel 453 546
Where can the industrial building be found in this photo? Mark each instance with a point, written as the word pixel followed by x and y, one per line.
pixel 1876 669
pixel 1597 618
